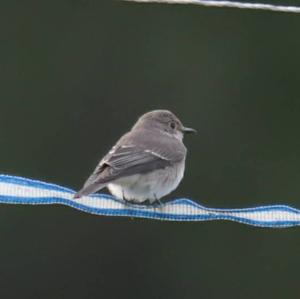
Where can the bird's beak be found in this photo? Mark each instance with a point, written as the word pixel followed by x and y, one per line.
pixel 188 130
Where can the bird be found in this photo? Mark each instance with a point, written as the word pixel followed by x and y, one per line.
pixel 146 164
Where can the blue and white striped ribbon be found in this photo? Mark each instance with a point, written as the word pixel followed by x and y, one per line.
pixel 17 190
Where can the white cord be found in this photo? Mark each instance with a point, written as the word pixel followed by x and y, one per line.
pixel 232 4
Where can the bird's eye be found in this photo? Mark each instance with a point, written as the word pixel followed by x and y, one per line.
pixel 172 125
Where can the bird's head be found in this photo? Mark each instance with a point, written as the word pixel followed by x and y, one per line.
pixel 164 121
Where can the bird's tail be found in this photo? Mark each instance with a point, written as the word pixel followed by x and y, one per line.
pixel 89 189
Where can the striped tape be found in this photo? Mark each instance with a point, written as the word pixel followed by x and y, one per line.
pixel 17 190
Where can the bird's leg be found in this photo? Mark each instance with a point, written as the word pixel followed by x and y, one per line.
pixel 126 201
pixel 157 201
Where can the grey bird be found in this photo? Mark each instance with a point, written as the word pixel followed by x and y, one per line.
pixel 146 164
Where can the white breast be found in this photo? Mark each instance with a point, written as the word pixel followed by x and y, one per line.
pixel 150 186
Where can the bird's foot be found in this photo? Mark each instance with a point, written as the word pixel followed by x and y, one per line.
pixel 156 203
pixel 128 202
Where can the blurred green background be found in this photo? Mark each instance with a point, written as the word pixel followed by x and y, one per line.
pixel 76 74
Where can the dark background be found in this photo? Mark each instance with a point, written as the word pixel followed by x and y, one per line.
pixel 76 74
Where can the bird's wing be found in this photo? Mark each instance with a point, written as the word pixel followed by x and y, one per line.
pixel 127 159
